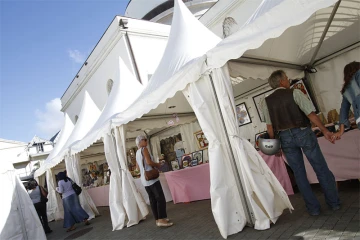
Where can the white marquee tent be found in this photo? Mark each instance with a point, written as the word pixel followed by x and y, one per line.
pixel 243 188
pixel 184 48
pixel 18 217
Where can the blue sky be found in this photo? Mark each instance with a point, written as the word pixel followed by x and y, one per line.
pixel 43 45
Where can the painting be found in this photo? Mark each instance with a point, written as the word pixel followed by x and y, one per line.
pixel 299 84
pixel 186 160
pixel 198 156
pixel 257 140
pixel 242 114
pixel 175 165
pixel 258 101
pixel 201 140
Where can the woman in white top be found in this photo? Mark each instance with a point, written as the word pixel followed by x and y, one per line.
pixel 153 187
pixel 36 193
pixel 73 212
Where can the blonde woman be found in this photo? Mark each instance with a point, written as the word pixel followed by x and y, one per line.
pixel 145 162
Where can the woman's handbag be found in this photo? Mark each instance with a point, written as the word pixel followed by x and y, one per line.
pixel 76 187
pixel 44 199
pixel 152 174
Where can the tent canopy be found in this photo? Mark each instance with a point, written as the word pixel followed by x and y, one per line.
pixel 125 90
pixel 185 48
pixel 64 135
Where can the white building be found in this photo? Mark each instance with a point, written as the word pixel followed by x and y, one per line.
pixel 25 157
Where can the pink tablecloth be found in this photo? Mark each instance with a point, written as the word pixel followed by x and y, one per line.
pixel 100 195
pixel 343 157
pixel 190 184
pixel 277 166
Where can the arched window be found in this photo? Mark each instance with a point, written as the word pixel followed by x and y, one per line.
pixel 76 118
pixel 109 85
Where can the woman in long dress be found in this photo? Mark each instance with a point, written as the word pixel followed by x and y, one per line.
pixel 73 212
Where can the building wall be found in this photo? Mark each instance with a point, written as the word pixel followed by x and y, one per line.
pixel 13 151
pixel 147 43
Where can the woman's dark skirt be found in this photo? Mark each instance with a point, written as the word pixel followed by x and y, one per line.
pixel 73 212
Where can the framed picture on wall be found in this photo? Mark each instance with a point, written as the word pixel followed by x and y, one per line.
pixel 299 84
pixel 242 114
pixel 201 140
pixel 258 101
pixel 257 139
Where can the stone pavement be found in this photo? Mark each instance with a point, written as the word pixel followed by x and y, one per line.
pixel 195 221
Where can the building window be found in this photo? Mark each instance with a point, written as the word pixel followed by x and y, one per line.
pixel 40 147
pixel 76 118
pixel 109 85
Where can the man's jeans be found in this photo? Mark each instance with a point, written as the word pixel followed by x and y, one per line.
pixel 292 142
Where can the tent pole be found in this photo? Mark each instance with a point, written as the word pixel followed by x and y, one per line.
pixel 133 57
pixel 324 32
pixel 239 184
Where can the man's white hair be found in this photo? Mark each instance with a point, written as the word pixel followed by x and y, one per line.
pixel 138 140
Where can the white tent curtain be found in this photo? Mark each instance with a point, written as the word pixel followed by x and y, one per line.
pixel 226 203
pixel 117 211
pixel 187 134
pixel 41 180
pixel 64 135
pixel 54 206
pixel 267 197
pixel 73 171
pixel 155 147
pixel 18 217
pixel 134 205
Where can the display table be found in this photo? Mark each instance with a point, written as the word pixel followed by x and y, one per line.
pixel 189 184
pixel 164 186
pixel 100 195
pixel 343 157
pixel 277 166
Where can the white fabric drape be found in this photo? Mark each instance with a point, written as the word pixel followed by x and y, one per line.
pixel 18 217
pixel 117 211
pixel 225 199
pixel 187 135
pixel 73 171
pixel 155 147
pixel 134 205
pixel 267 197
pixel 54 206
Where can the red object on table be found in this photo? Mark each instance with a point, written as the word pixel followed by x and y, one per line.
pixel 277 166
pixel 343 157
pixel 189 184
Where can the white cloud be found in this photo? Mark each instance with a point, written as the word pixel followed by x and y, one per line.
pixel 76 56
pixel 50 120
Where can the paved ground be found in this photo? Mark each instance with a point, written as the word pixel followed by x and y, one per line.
pixel 195 221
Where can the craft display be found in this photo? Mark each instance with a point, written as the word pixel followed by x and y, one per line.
pixel 198 156
pixel 175 165
pixel 186 160
pixel 242 114
pixel 194 162
pixel 94 175
pixel 201 140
